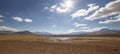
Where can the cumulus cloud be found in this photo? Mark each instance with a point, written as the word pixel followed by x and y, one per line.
pixel 81 12
pixel 52 8
pixel 84 12
pixel 28 20
pixel 63 7
pixel 88 30
pixel 117 19
pixel 19 19
pixel 79 25
pixel 1 16
pixel 5 28
pixel 109 9
pixel 93 29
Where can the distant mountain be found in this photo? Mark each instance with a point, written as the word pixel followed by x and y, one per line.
pixel 107 30
pixel 19 32
pixel 6 32
pixel 104 34
pixel 102 31
pixel 23 33
pixel 42 33
pixel 78 33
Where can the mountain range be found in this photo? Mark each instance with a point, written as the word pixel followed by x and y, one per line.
pixel 104 30
pixel 101 32
pixel 24 33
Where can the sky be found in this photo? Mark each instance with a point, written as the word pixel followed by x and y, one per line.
pixel 59 16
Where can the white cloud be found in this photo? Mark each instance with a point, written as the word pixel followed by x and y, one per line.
pixel 84 12
pixel 1 20
pixel 53 25
pixel 71 30
pixel 92 7
pixel 117 19
pixel 28 20
pixel 53 8
pixel 81 12
pixel 46 8
pixel 93 29
pixel 85 27
pixel 87 30
pixel 109 9
pixel 19 19
pixel 5 28
pixel 79 25
pixel 1 16
pixel 63 7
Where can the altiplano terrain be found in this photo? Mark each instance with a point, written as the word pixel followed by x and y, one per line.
pixel 38 45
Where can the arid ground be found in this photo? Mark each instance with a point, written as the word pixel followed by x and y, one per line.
pixel 42 45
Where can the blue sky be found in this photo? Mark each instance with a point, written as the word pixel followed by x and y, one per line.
pixel 59 16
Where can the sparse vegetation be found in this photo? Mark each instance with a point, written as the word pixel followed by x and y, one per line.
pixel 17 44
pixel 25 38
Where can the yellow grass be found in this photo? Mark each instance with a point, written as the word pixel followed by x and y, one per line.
pixel 32 44
pixel 24 38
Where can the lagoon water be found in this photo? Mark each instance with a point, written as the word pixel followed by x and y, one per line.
pixel 59 38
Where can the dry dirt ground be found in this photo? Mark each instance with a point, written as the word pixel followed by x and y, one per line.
pixel 39 47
